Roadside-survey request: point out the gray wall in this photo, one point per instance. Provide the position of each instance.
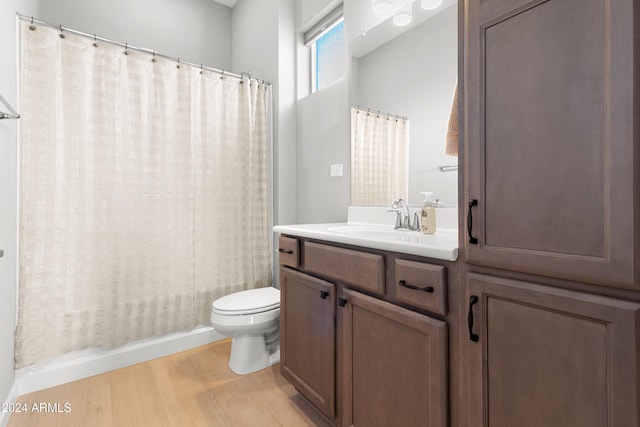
(8, 184)
(323, 139)
(393, 78)
(308, 11)
(197, 31)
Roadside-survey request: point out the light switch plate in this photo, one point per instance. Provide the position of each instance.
(336, 170)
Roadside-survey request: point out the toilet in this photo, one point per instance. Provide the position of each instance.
(252, 320)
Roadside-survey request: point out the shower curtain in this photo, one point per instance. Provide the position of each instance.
(379, 157)
(143, 194)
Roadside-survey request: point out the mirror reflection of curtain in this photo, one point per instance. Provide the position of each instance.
(379, 158)
(143, 194)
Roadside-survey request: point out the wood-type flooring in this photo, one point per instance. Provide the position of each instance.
(191, 388)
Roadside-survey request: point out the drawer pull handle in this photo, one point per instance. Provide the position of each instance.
(472, 301)
(472, 203)
(428, 289)
(342, 302)
(324, 294)
(285, 251)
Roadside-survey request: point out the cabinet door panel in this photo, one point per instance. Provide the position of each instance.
(549, 137)
(551, 357)
(395, 365)
(307, 337)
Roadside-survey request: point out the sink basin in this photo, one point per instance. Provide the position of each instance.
(364, 229)
(382, 232)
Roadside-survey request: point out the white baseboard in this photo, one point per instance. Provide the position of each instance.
(87, 363)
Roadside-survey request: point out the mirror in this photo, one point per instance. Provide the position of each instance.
(412, 71)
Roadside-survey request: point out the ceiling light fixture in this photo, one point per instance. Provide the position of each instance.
(380, 7)
(403, 16)
(430, 4)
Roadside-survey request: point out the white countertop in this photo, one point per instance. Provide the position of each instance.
(441, 245)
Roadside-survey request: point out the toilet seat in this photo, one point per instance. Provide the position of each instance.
(247, 302)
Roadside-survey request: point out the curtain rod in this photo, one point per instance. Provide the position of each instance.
(127, 46)
(369, 110)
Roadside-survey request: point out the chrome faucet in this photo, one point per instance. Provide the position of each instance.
(398, 218)
(398, 205)
(403, 216)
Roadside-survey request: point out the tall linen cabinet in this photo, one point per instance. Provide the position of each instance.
(550, 212)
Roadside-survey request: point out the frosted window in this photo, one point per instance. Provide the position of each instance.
(329, 57)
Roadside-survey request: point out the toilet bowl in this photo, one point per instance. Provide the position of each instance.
(252, 320)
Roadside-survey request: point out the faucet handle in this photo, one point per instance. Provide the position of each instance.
(415, 226)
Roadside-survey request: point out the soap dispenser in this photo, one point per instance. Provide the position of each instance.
(428, 217)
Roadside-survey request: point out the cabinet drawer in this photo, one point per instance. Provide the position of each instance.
(421, 285)
(289, 251)
(358, 269)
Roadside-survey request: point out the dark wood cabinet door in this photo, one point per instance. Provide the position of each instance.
(550, 357)
(307, 337)
(551, 117)
(395, 365)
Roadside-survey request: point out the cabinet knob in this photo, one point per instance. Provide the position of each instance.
(285, 251)
(324, 294)
(342, 302)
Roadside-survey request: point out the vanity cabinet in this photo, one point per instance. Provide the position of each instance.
(550, 92)
(365, 335)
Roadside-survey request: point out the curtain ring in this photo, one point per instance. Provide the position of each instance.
(178, 66)
(126, 48)
(61, 33)
(153, 59)
(222, 76)
(201, 69)
(95, 41)
(32, 27)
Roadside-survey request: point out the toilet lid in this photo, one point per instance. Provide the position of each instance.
(247, 302)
